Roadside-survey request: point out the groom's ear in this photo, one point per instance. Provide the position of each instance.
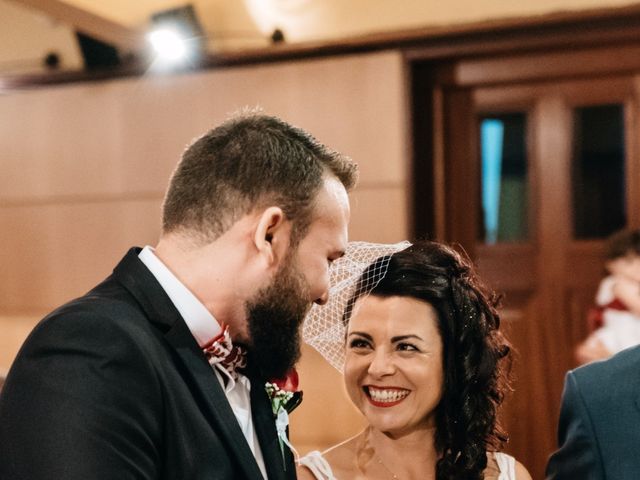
(272, 235)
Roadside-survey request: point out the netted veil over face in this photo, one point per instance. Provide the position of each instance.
(324, 328)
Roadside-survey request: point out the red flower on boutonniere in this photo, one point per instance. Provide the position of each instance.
(284, 396)
(284, 393)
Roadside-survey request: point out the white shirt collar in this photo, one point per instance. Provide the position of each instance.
(201, 323)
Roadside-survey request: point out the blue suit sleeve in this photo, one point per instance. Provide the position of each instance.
(578, 454)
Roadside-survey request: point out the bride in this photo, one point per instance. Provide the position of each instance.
(425, 363)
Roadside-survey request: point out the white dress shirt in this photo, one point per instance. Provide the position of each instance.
(203, 326)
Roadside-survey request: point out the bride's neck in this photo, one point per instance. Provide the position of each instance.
(412, 455)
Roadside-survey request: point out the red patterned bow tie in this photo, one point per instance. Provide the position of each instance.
(222, 352)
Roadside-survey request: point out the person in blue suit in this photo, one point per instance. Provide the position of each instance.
(599, 428)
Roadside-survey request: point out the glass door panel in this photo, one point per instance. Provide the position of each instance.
(598, 171)
(504, 178)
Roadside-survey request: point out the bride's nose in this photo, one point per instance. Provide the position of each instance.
(381, 363)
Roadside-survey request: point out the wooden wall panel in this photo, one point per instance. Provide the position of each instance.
(14, 330)
(379, 214)
(326, 403)
(125, 136)
(52, 253)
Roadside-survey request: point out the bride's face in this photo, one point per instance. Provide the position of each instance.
(393, 366)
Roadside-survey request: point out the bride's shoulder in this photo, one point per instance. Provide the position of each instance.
(336, 462)
(349, 445)
(341, 456)
(521, 472)
(305, 468)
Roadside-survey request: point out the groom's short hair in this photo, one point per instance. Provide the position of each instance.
(251, 161)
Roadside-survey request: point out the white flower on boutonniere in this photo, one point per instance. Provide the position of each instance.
(285, 397)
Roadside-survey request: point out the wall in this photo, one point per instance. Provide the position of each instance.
(26, 37)
(84, 169)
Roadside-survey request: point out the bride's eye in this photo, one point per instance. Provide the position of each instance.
(407, 347)
(357, 343)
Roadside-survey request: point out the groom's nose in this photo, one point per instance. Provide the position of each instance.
(324, 298)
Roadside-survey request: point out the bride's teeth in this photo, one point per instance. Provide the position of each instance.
(387, 395)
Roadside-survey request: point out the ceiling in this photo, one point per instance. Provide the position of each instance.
(30, 30)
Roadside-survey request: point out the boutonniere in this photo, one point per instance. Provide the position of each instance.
(285, 397)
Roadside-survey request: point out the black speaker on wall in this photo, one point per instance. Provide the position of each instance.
(97, 54)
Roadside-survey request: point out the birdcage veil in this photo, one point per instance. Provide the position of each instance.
(323, 326)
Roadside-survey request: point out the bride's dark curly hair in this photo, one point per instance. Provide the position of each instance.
(476, 356)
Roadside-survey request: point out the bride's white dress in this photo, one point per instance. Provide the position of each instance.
(321, 469)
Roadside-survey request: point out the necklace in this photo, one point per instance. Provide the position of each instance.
(381, 463)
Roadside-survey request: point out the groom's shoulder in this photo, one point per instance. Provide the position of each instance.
(106, 307)
(108, 298)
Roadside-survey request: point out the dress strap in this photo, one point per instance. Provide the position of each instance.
(507, 466)
(316, 463)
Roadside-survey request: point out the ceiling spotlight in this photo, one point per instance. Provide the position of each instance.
(177, 37)
(168, 44)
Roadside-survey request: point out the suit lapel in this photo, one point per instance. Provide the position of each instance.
(216, 404)
(132, 273)
(265, 426)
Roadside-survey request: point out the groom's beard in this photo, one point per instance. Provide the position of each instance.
(274, 319)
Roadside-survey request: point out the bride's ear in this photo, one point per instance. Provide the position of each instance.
(272, 235)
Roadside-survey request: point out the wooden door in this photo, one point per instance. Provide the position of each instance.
(548, 261)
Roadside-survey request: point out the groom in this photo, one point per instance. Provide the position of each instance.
(131, 380)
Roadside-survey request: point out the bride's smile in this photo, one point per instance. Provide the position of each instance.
(385, 396)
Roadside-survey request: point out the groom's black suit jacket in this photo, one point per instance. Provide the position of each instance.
(114, 386)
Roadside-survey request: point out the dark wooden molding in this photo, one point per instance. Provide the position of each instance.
(609, 26)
